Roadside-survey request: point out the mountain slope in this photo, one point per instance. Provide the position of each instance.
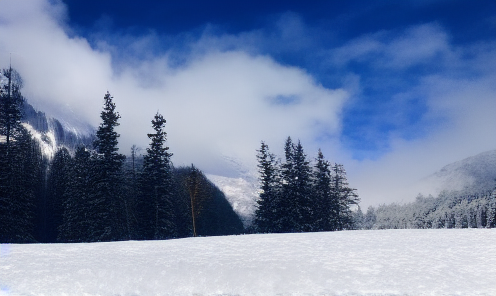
(52, 133)
(476, 174)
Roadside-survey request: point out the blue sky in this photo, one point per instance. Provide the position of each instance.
(392, 89)
(304, 35)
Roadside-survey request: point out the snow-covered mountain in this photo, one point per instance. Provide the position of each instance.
(471, 175)
(241, 191)
(52, 133)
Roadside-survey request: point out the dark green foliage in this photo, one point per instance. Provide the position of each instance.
(156, 210)
(345, 197)
(302, 191)
(21, 166)
(108, 202)
(302, 199)
(212, 212)
(78, 204)
(11, 106)
(265, 215)
(93, 196)
(57, 183)
(285, 204)
(132, 168)
(324, 203)
(293, 206)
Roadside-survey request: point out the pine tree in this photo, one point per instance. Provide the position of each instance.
(345, 196)
(266, 212)
(132, 192)
(285, 204)
(11, 106)
(109, 206)
(323, 200)
(157, 210)
(302, 191)
(78, 200)
(57, 183)
(20, 165)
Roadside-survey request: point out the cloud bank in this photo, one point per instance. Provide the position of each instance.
(217, 103)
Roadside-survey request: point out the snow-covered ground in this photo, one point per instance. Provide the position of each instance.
(374, 262)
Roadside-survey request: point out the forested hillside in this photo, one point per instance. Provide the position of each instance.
(59, 186)
(467, 199)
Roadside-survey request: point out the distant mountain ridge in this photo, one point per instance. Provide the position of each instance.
(472, 175)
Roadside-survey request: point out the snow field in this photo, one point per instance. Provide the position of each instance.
(370, 262)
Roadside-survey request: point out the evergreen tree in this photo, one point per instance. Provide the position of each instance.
(323, 200)
(20, 165)
(266, 212)
(132, 169)
(11, 106)
(109, 203)
(78, 200)
(302, 190)
(345, 196)
(57, 184)
(156, 205)
(285, 204)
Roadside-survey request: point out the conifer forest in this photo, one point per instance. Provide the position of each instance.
(90, 192)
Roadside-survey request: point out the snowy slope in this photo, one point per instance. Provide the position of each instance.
(387, 262)
(241, 194)
(473, 175)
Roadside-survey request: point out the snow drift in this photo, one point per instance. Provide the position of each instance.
(387, 262)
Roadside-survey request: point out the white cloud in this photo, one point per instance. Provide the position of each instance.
(463, 110)
(412, 46)
(224, 99)
(217, 103)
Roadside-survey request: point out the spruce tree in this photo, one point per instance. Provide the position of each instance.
(79, 202)
(345, 197)
(323, 200)
(11, 106)
(266, 212)
(109, 204)
(156, 205)
(57, 183)
(285, 204)
(20, 165)
(302, 191)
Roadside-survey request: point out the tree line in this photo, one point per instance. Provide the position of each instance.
(296, 197)
(94, 193)
(451, 209)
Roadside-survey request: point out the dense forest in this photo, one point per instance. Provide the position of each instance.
(451, 209)
(90, 192)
